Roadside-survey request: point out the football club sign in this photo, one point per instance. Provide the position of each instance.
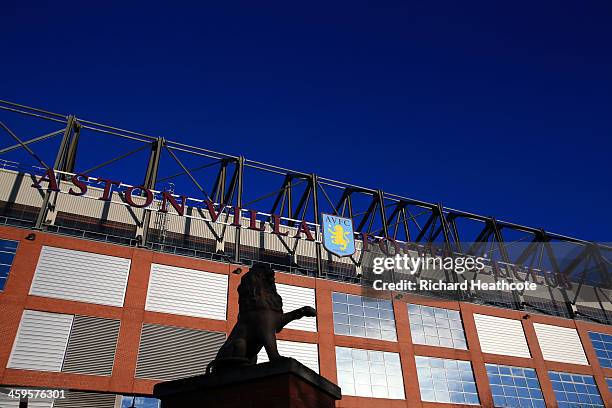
(338, 236)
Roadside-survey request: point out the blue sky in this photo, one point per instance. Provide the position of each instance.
(502, 109)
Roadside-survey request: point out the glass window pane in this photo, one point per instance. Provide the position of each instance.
(354, 300)
(342, 329)
(436, 326)
(6, 258)
(363, 316)
(340, 308)
(8, 249)
(574, 390)
(139, 402)
(521, 387)
(602, 343)
(369, 373)
(385, 304)
(341, 318)
(440, 380)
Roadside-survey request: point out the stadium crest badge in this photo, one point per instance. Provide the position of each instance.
(338, 236)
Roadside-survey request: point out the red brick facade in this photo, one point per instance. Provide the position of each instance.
(14, 299)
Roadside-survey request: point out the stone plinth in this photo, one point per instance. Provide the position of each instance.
(284, 383)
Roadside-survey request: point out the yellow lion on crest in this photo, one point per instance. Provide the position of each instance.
(339, 236)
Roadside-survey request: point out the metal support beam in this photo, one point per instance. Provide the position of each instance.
(239, 191)
(25, 146)
(149, 182)
(115, 159)
(186, 170)
(518, 299)
(367, 215)
(314, 182)
(571, 308)
(60, 162)
(73, 145)
(383, 216)
(34, 140)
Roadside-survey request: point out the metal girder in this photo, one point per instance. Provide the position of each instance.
(368, 215)
(149, 182)
(280, 197)
(516, 297)
(315, 199)
(571, 308)
(426, 227)
(221, 192)
(231, 189)
(25, 146)
(73, 145)
(113, 160)
(442, 221)
(67, 146)
(383, 216)
(186, 170)
(31, 141)
(239, 192)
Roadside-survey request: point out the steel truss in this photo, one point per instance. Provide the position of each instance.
(299, 196)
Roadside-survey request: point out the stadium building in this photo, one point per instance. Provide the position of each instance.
(121, 253)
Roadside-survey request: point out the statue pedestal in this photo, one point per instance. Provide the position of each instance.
(284, 383)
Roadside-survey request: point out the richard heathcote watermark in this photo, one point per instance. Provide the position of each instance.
(405, 264)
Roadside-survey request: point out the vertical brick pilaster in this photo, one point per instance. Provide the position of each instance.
(232, 295)
(325, 330)
(13, 297)
(406, 350)
(539, 362)
(599, 374)
(478, 363)
(132, 315)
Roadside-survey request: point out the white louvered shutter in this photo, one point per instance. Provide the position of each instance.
(295, 297)
(91, 347)
(187, 292)
(560, 344)
(503, 336)
(41, 341)
(168, 352)
(305, 353)
(81, 276)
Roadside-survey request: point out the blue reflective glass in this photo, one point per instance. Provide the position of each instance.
(8, 245)
(8, 249)
(363, 317)
(432, 326)
(602, 343)
(609, 381)
(6, 258)
(575, 390)
(519, 386)
(449, 383)
(369, 373)
(140, 402)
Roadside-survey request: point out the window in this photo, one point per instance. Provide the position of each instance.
(602, 343)
(363, 317)
(515, 387)
(609, 381)
(436, 327)
(139, 402)
(447, 381)
(369, 373)
(7, 253)
(575, 390)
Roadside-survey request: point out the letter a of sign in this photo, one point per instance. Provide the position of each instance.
(338, 236)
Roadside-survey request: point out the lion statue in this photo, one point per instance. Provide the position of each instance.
(260, 317)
